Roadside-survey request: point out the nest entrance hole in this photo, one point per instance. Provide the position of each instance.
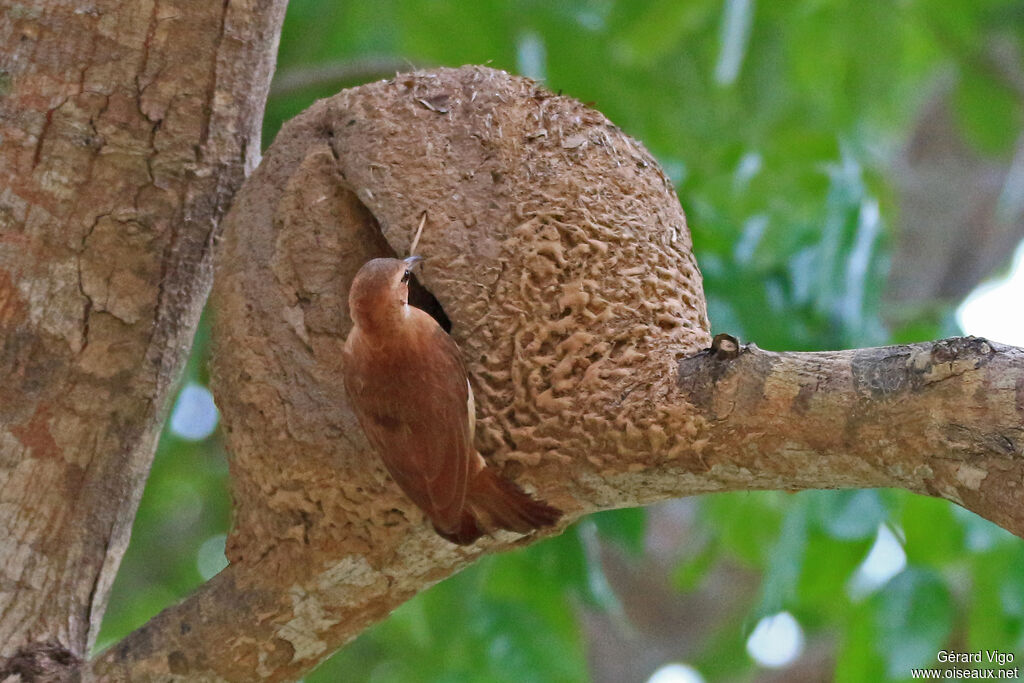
(360, 224)
(421, 298)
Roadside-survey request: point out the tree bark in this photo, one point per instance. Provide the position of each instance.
(125, 129)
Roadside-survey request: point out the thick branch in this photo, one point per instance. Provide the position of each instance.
(942, 418)
(126, 127)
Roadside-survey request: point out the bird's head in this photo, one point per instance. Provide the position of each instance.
(380, 291)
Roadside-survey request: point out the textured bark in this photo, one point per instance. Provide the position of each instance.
(558, 251)
(125, 128)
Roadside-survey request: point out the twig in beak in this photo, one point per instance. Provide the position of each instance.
(419, 231)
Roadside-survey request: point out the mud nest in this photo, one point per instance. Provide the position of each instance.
(555, 245)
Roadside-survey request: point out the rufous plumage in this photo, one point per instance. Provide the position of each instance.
(410, 392)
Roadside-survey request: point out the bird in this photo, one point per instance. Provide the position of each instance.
(409, 389)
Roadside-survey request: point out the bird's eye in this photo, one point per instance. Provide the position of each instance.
(406, 275)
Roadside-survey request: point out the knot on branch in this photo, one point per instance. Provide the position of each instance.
(975, 349)
(725, 346)
(554, 243)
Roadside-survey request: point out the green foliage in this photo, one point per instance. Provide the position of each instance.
(626, 528)
(914, 615)
(776, 121)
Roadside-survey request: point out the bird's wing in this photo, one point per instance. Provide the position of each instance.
(413, 406)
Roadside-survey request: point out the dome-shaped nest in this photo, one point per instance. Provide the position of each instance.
(554, 244)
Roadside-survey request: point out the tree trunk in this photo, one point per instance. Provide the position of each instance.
(125, 129)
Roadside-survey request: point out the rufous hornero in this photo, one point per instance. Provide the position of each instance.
(409, 390)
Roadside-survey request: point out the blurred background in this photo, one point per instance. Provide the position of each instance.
(853, 172)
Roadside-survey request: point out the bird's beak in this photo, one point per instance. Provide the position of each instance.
(412, 260)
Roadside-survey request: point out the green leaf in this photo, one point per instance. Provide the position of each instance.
(914, 617)
(785, 560)
(828, 566)
(933, 538)
(625, 527)
(1011, 584)
(746, 524)
(989, 113)
(990, 624)
(659, 30)
(688, 575)
(979, 533)
(849, 515)
(858, 659)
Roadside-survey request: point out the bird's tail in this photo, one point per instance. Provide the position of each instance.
(493, 502)
(497, 502)
(467, 532)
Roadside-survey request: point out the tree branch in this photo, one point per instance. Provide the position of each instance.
(558, 251)
(942, 418)
(336, 74)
